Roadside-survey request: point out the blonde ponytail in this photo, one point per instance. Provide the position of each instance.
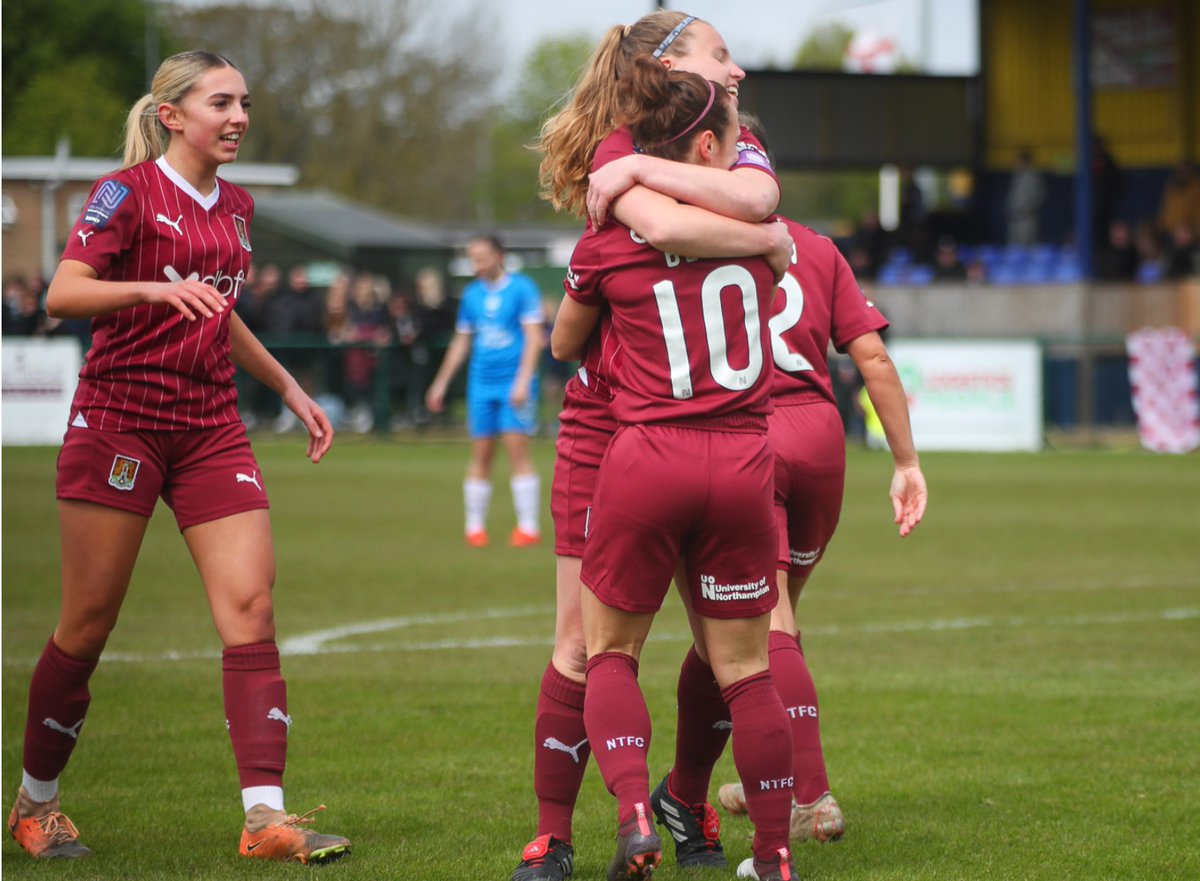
(145, 136)
(570, 137)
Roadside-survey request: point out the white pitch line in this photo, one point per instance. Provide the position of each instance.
(325, 642)
(315, 643)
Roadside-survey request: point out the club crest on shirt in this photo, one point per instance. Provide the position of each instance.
(243, 231)
(105, 203)
(123, 473)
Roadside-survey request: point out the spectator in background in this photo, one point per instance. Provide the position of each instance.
(367, 328)
(947, 266)
(301, 305)
(404, 331)
(23, 314)
(435, 311)
(914, 217)
(1183, 256)
(869, 247)
(334, 323)
(435, 319)
(1107, 183)
(1180, 203)
(402, 320)
(1118, 260)
(256, 302)
(1026, 193)
(337, 308)
(1152, 261)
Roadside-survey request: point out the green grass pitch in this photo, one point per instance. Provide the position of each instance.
(1013, 692)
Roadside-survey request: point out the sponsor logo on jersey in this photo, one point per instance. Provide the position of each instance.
(724, 593)
(243, 231)
(83, 236)
(228, 286)
(553, 743)
(105, 203)
(123, 473)
(573, 278)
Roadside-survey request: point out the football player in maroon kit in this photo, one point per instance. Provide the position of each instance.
(157, 260)
(572, 145)
(819, 302)
(688, 475)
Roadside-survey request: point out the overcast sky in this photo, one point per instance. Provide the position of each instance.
(759, 32)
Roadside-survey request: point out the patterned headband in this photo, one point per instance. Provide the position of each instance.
(662, 47)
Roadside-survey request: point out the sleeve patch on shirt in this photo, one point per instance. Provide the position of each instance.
(748, 154)
(105, 203)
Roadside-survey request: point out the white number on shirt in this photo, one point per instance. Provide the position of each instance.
(793, 308)
(722, 371)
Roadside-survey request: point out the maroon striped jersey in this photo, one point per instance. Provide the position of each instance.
(149, 368)
(819, 300)
(598, 365)
(691, 334)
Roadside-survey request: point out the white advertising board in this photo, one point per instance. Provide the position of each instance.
(38, 382)
(972, 395)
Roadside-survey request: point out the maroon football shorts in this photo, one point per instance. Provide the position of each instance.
(584, 429)
(202, 474)
(667, 492)
(810, 475)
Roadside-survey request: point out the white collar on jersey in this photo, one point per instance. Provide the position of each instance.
(205, 202)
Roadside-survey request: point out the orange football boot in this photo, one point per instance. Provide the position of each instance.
(523, 539)
(275, 835)
(43, 830)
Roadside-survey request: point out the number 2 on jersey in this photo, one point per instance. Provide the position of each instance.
(793, 308)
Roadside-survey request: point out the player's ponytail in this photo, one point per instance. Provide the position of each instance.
(142, 140)
(145, 135)
(570, 137)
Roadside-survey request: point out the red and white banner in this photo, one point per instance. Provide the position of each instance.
(1162, 374)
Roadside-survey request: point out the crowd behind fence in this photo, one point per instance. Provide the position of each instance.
(367, 351)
